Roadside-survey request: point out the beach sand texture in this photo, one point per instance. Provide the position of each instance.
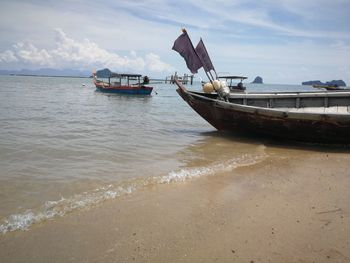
(291, 207)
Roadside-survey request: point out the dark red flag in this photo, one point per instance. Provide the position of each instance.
(204, 56)
(184, 46)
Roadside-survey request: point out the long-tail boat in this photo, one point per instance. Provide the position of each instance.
(132, 84)
(317, 116)
(328, 87)
(304, 116)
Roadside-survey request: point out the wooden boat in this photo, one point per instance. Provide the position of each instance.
(322, 116)
(123, 84)
(328, 87)
(234, 87)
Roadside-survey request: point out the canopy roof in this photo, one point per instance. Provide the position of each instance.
(232, 77)
(122, 75)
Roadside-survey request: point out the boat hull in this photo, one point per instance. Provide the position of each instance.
(139, 90)
(310, 127)
(122, 89)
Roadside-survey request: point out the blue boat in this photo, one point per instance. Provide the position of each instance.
(123, 84)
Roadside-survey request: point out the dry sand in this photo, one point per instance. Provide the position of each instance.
(291, 207)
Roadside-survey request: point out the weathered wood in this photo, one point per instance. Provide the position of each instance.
(307, 120)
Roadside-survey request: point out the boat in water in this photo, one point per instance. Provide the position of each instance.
(328, 87)
(322, 117)
(132, 84)
(239, 87)
(315, 116)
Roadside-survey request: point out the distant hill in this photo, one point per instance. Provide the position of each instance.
(258, 80)
(338, 83)
(103, 73)
(47, 72)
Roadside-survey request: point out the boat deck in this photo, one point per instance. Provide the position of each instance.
(305, 94)
(327, 110)
(303, 102)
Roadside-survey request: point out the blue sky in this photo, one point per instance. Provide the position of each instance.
(283, 41)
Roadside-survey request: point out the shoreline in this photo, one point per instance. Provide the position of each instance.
(284, 209)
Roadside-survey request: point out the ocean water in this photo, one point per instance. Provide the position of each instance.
(64, 146)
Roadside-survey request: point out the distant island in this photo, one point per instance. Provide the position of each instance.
(258, 80)
(103, 73)
(335, 83)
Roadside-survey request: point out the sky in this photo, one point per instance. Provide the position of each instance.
(283, 41)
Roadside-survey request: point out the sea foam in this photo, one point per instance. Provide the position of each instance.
(58, 208)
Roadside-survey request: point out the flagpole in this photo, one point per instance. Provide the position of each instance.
(211, 80)
(212, 75)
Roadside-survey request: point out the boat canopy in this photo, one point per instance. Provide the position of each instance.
(231, 85)
(123, 75)
(232, 77)
(118, 79)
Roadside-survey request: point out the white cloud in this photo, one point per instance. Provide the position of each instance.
(8, 56)
(85, 54)
(340, 45)
(28, 53)
(155, 64)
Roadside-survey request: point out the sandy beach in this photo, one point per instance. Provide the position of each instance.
(291, 207)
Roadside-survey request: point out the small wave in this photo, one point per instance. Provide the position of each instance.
(229, 165)
(53, 209)
(58, 208)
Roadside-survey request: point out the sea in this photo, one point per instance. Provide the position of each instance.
(66, 147)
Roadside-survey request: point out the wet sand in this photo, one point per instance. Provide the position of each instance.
(291, 207)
